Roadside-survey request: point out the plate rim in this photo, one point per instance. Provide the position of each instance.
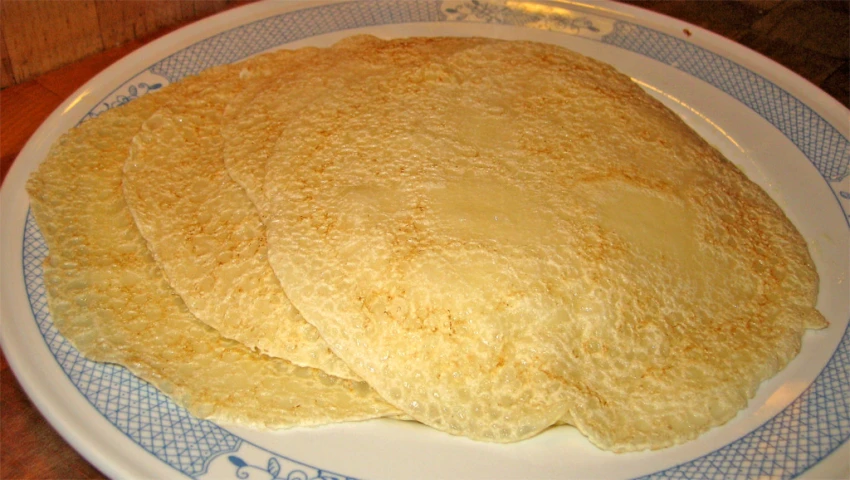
(51, 123)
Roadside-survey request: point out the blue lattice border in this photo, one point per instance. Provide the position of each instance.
(798, 437)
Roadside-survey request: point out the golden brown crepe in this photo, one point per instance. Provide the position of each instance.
(497, 236)
(108, 297)
(501, 235)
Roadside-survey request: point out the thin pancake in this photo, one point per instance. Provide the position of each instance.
(274, 95)
(504, 236)
(108, 297)
(206, 235)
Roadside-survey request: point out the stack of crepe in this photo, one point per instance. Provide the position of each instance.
(488, 237)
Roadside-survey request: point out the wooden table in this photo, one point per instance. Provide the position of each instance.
(810, 38)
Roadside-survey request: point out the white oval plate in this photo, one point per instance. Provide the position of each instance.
(784, 133)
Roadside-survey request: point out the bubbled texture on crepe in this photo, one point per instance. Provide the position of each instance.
(256, 116)
(507, 235)
(274, 95)
(108, 297)
(206, 234)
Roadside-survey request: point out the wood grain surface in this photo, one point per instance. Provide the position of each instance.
(39, 36)
(811, 38)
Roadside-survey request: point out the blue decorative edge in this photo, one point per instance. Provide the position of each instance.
(828, 151)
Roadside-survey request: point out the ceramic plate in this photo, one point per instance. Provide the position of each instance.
(787, 135)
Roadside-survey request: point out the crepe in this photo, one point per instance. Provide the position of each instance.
(108, 298)
(206, 235)
(499, 236)
(273, 96)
